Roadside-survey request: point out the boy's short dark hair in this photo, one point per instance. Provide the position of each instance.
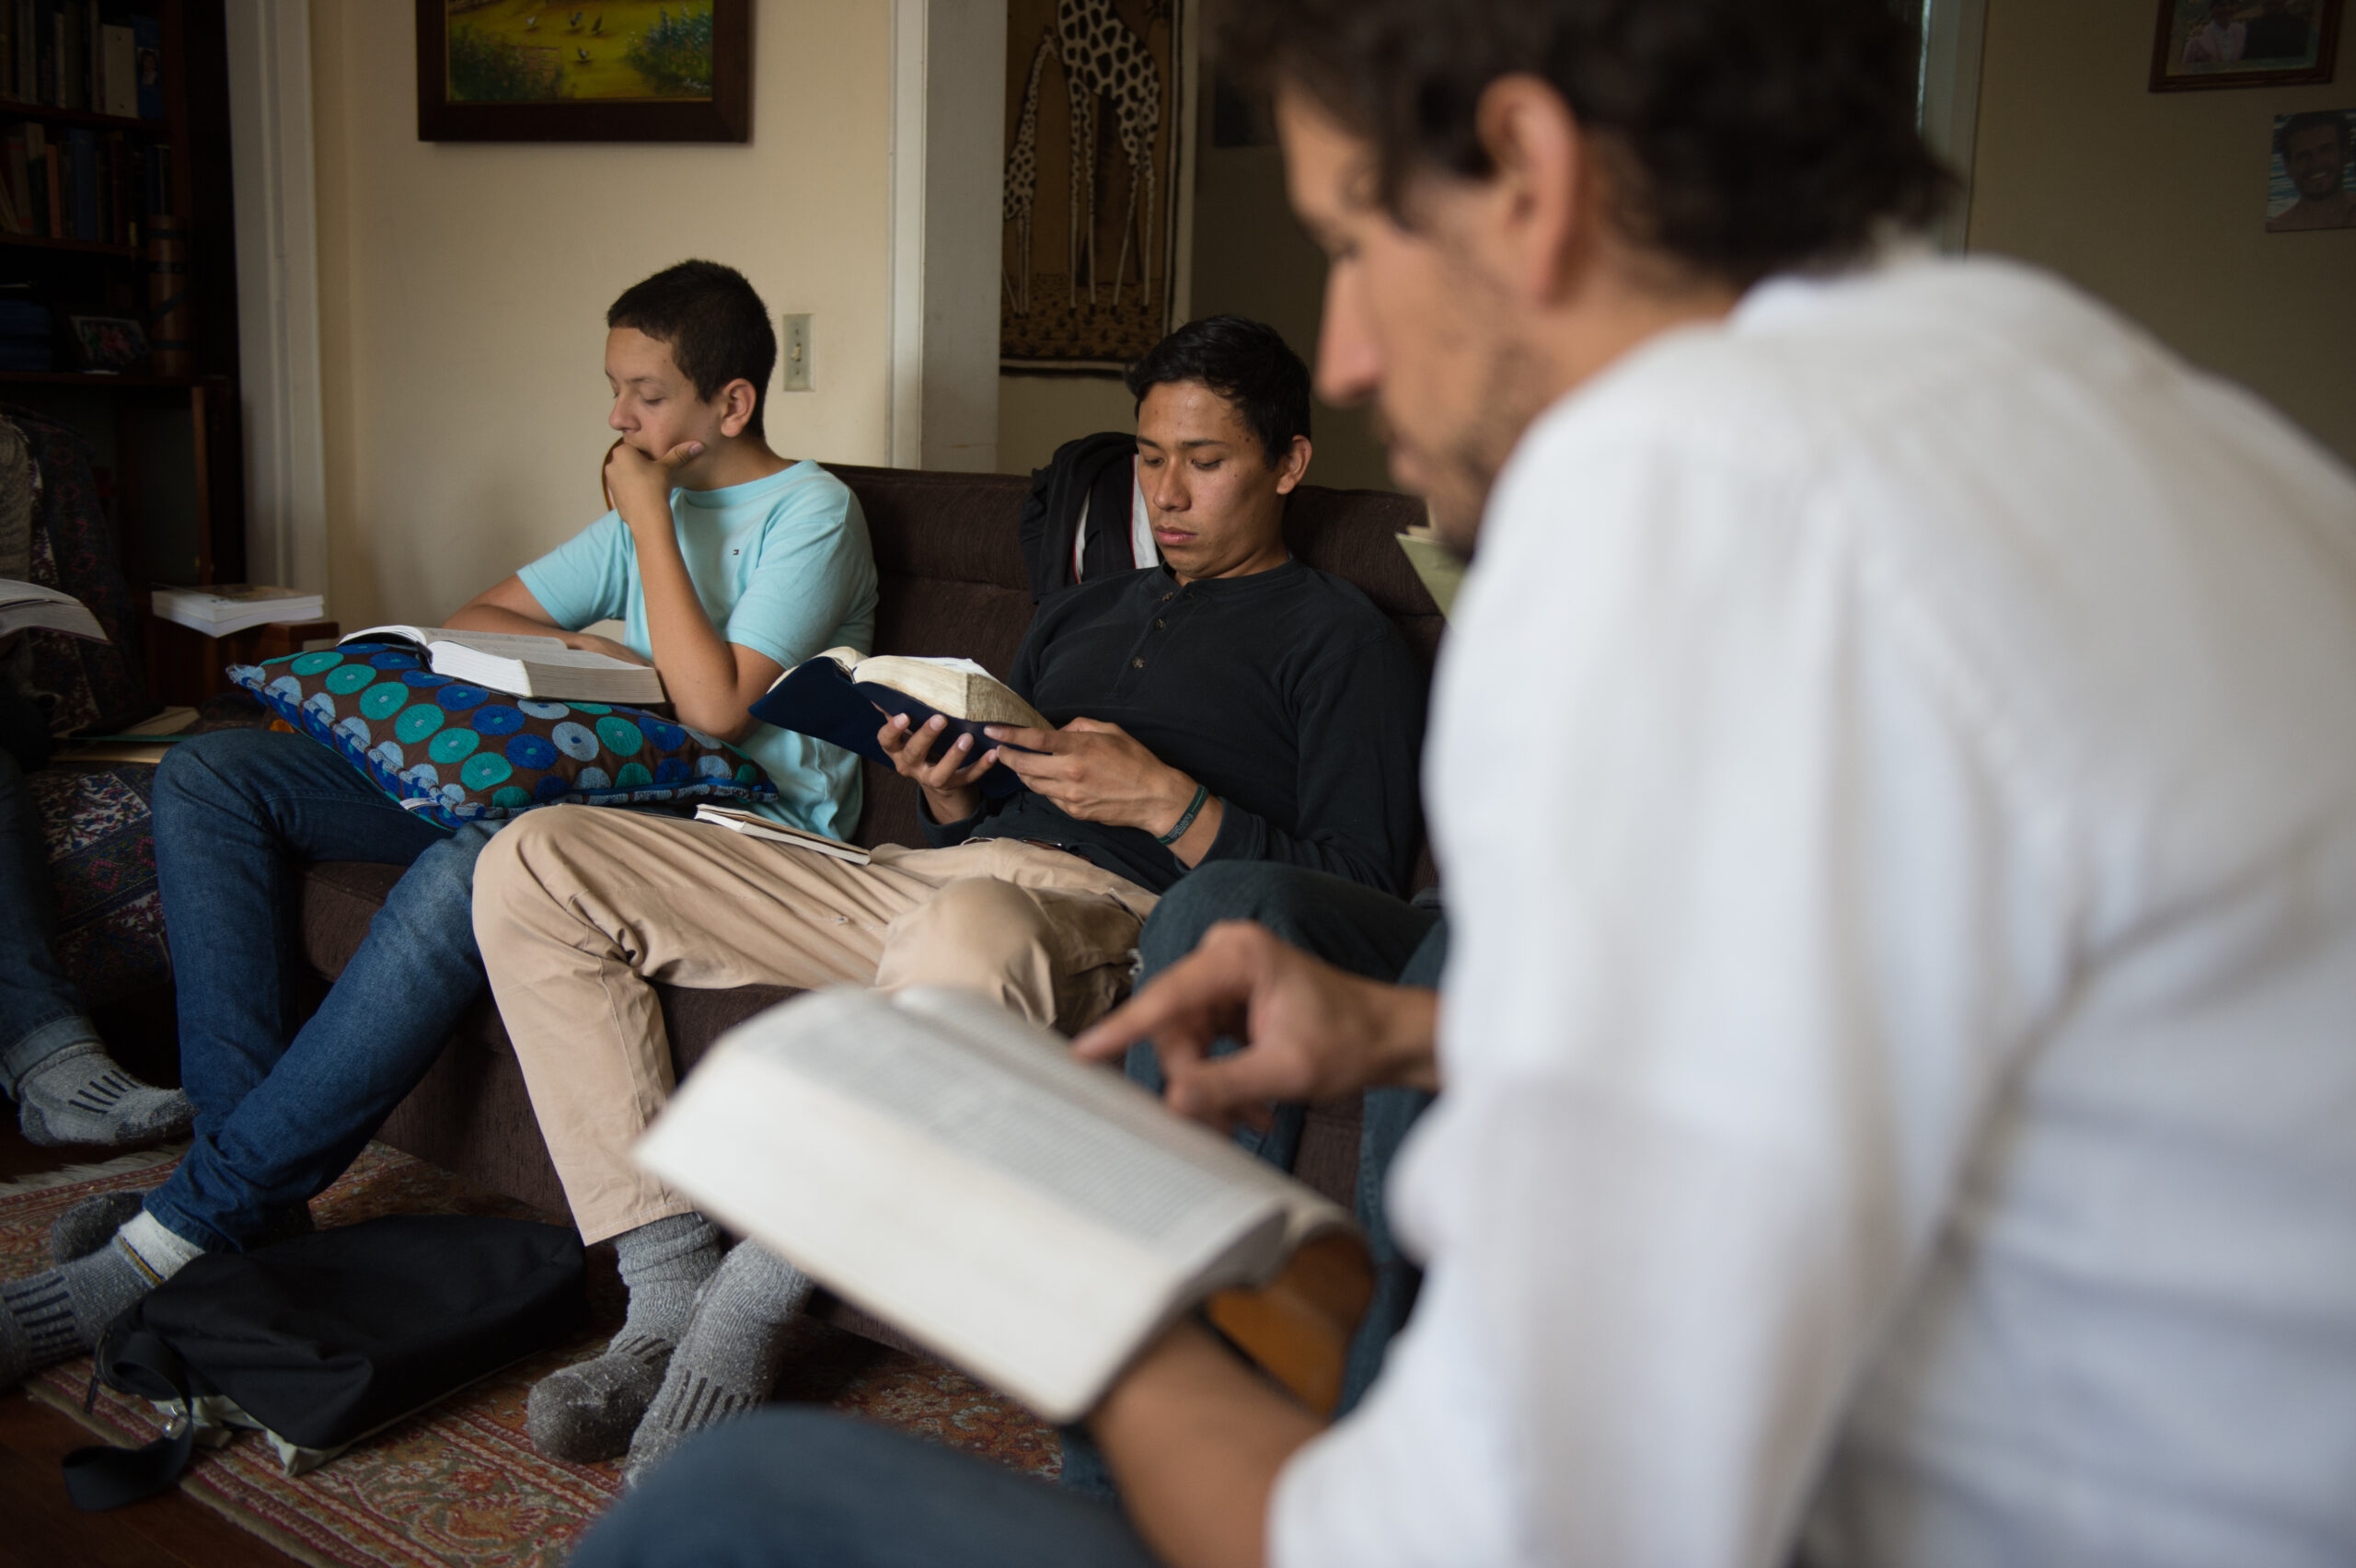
(1248, 363)
(716, 327)
(1751, 139)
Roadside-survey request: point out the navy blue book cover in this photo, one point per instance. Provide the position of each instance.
(818, 697)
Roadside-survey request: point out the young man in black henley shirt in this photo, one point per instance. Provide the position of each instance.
(1230, 704)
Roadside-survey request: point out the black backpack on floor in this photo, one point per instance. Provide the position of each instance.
(321, 1340)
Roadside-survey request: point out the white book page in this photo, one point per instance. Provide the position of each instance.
(988, 1271)
(1017, 1232)
(499, 644)
(28, 606)
(562, 657)
(962, 666)
(15, 592)
(1043, 1058)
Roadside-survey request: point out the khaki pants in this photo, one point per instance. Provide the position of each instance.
(577, 909)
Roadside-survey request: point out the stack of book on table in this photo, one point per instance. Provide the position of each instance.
(224, 607)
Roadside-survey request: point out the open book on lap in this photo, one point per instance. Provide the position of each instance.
(524, 665)
(842, 698)
(955, 1171)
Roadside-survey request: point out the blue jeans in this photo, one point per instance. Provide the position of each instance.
(1351, 927)
(40, 1013)
(788, 1488)
(280, 1112)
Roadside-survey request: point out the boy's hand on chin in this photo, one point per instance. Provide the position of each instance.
(640, 486)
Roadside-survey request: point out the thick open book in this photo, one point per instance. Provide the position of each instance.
(524, 665)
(25, 606)
(955, 1171)
(752, 824)
(843, 698)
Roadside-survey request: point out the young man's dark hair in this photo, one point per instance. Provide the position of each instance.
(1248, 363)
(2293, 124)
(1748, 139)
(717, 328)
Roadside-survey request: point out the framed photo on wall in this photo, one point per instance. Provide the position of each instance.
(2311, 185)
(584, 70)
(2244, 43)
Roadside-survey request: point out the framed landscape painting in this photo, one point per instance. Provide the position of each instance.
(581, 71)
(2244, 43)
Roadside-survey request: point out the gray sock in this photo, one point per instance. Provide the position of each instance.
(587, 1411)
(80, 1096)
(91, 1224)
(728, 1361)
(59, 1313)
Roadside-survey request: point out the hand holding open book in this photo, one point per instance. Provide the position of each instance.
(955, 1171)
(843, 698)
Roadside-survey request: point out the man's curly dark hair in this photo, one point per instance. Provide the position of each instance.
(1749, 138)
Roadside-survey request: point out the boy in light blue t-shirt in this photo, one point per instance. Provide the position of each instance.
(726, 563)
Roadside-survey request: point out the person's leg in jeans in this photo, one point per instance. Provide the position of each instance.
(236, 815)
(52, 1062)
(1354, 927)
(808, 1488)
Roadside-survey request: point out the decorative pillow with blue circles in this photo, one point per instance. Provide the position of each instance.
(459, 753)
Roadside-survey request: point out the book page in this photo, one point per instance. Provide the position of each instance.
(988, 1271)
(969, 1189)
(1015, 1122)
(15, 592)
(883, 663)
(1044, 1060)
(957, 687)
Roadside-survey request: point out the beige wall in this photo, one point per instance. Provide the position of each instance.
(2156, 202)
(1038, 413)
(462, 289)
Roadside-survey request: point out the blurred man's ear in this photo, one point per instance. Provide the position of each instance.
(1296, 464)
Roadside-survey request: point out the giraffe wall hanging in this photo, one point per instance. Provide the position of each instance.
(1098, 173)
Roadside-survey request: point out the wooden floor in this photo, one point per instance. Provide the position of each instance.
(38, 1529)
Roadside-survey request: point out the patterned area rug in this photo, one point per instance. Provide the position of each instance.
(102, 875)
(461, 1485)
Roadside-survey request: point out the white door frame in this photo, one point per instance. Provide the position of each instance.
(948, 184)
(278, 292)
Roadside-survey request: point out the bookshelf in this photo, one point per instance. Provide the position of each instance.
(165, 430)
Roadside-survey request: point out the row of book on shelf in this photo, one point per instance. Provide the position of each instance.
(93, 55)
(75, 182)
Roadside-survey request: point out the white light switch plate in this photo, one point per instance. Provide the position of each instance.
(793, 353)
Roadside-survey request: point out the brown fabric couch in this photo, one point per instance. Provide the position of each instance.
(951, 583)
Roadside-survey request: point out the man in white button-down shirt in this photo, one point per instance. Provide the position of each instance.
(1895, 772)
